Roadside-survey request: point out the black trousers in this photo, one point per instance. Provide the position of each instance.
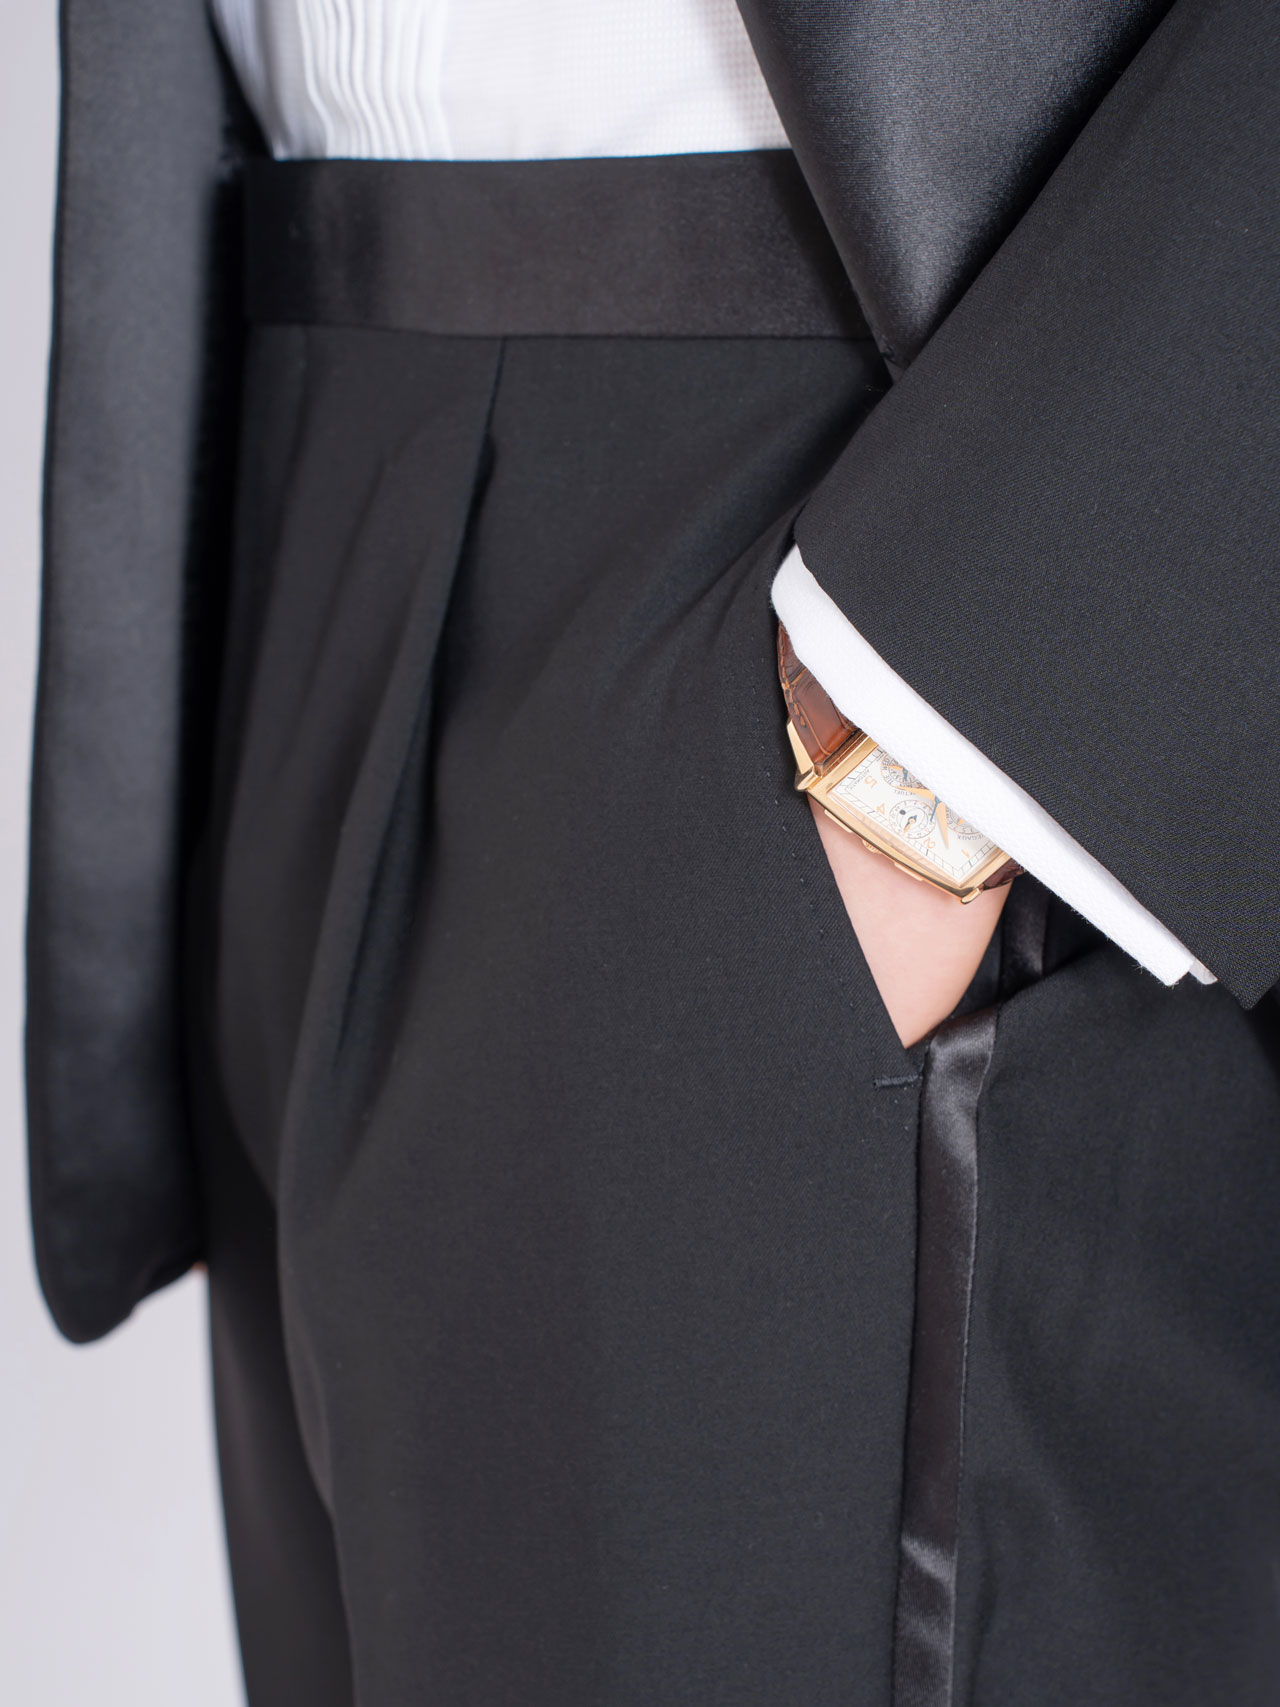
(606, 1308)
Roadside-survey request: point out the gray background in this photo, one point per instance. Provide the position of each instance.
(112, 1577)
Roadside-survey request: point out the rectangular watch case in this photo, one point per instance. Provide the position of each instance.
(868, 793)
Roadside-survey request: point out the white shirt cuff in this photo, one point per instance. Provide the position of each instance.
(877, 699)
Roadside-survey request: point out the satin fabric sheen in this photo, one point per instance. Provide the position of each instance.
(925, 130)
(946, 1232)
(710, 245)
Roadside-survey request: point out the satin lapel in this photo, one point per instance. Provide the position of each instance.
(139, 463)
(925, 130)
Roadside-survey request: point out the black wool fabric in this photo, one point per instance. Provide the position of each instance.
(1062, 526)
(1120, 1501)
(289, 1613)
(597, 1300)
(577, 1145)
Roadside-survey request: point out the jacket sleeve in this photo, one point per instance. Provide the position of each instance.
(141, 397)
(1062, 526)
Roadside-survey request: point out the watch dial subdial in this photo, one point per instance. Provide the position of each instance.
(912, 815)
(896, 775)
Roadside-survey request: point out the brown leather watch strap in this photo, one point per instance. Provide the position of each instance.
(823, 728)
(1006, 874)
(825, 731)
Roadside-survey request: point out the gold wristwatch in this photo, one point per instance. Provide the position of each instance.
(857, 784)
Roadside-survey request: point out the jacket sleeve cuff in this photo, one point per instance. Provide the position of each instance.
(878, 700)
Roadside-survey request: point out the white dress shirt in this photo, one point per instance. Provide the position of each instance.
(499, 79)
(547, 79)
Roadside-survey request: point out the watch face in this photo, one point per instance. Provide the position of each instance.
(903, 812)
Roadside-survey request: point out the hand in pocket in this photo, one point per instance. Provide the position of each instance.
(921, 946)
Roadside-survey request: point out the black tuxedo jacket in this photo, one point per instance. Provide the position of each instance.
(1060, 217)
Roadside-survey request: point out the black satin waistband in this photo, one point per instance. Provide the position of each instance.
(683, 245)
